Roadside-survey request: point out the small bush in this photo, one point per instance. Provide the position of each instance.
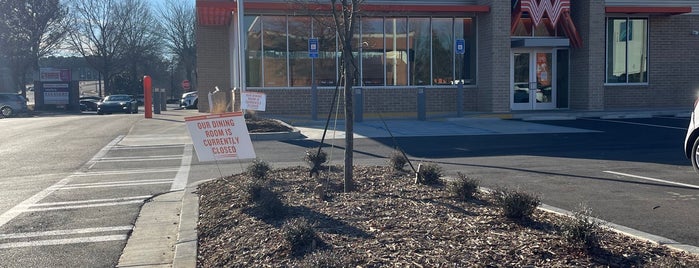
(429, 174)
(258, 169)
(463, 187)
(581, 229)
(300, 236)
(314, 159)
(516, 205)
(266, 203)
(397, 160)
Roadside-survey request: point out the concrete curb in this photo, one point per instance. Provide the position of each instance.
(187, 238)
(268, 136)
(655, 239)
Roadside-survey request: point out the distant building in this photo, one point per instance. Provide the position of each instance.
(510, 55)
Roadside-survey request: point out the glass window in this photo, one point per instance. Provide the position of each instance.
(274, 46)
(254, 51)
(464, 28)
(299, 61)
(326, 63)
(419, 40)
(627, 50)
(372, 51)
(396, 51)
(442, 51)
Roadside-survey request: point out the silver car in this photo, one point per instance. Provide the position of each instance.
(12, 104)
(691, 140)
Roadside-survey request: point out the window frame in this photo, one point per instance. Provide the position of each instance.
(626, 20)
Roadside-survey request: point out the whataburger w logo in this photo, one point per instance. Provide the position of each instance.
(536, 9)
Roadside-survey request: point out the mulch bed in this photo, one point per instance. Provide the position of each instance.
(390, 221)
(258, 125)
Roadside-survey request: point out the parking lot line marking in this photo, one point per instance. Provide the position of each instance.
(138, 159)
(123, 172)
(634, 123)
(67, 232)
(143, 197)
(114, 184)
(19, 208)
(182, 176)
(85, 206)
(653, 179)
(53, 242)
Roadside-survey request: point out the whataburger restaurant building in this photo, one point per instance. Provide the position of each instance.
(450, 57)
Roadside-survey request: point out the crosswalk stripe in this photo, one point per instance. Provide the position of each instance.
(85, 206)
(71, 187)
(124, 172)
(143, 197)
(65, 241)
(67, 232)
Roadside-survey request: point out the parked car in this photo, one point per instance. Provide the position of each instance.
(117, 104)
(691, 140)
(189, 100)
(89, 103)
(12, 104)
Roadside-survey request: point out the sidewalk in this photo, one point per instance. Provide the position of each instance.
(165, 233)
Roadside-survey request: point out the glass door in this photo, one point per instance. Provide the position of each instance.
(532, 85)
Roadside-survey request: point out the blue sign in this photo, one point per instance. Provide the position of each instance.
(460, 46)
(313, 48)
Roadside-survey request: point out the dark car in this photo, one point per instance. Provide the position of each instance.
(89, 103)
(117, 104)
(12, 104)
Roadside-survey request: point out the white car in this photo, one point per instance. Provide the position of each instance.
(189, 100)
(691, 141)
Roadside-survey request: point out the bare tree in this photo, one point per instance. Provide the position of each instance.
(98, 35)
(141, 39)
(29, 30)
(178, 22)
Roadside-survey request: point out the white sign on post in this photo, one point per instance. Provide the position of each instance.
(256, 101)
(220, 137)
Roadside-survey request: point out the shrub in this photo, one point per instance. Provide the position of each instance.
(258, 169)
(300, 236)
(581, 229)
(315, 159)
(429, 174)
(397, 160)
(516, 205)
(266, 203)
(463, 187)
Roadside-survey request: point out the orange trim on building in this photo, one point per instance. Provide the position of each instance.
(648, 10)
(212, 13)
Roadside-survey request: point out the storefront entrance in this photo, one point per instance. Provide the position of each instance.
(532, 79)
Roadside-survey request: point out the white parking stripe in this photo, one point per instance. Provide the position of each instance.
(634, 123)
(653, 179)
(143, 197)
(86, 206)
(124, 172)
(52, 242)
(115, 182)
(69, 187)
(183, 173)
(67, 232)
(19, 208)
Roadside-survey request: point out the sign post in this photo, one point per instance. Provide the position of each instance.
(460, 49)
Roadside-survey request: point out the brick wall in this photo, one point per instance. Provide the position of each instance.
(672, 68)
(213, 62)
(493, 94)
(386, 102)
(587, 63)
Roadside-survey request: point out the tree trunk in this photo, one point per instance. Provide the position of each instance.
(349, 119)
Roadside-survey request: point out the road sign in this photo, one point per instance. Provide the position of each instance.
(460, 46)
(220, 137)
(313, 48)
(186, 85)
